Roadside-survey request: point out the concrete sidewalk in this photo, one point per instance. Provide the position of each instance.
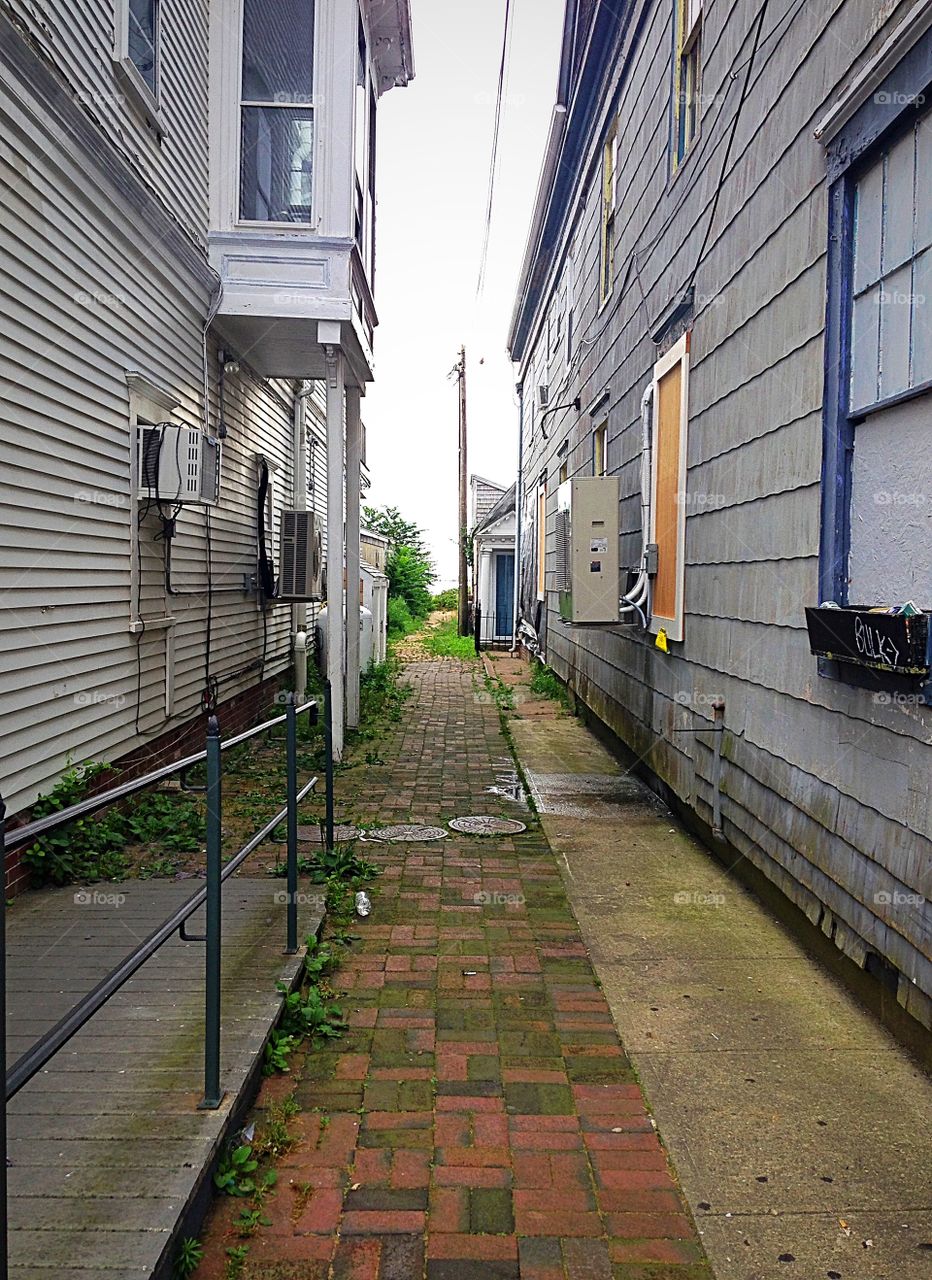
(798, 1127)
(106, 1144)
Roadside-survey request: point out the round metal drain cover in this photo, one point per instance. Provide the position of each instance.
(314, 835)
(485, 826)
(406, 833)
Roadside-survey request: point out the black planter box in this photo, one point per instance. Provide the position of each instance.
(886, 642)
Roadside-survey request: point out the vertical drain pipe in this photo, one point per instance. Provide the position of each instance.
(518, 506)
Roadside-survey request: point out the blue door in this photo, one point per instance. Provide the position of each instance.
(504, 594)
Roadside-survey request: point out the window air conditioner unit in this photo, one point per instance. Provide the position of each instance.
(543, 395)
(178, 465)
(302, 557)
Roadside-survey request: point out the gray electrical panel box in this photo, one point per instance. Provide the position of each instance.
(587, 549)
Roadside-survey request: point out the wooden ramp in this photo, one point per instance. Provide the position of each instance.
(106, 1146)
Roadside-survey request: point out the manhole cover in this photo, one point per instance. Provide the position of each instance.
(485, 826)
(406, 833)
(314, 835)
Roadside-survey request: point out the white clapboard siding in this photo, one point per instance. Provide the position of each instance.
(88, 296)
(76, 37)
(803, 752)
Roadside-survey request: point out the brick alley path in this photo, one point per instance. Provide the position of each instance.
(480, 1119)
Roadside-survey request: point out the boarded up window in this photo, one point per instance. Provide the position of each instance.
(668, 525)
(891, 338)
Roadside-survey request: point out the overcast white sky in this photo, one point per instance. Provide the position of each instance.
(434, 147)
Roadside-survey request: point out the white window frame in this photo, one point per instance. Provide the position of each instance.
(312, 106)
(678, 354)
(137, 91)
(687, 38)
(541, 521)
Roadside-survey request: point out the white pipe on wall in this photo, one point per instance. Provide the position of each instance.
(637, 597)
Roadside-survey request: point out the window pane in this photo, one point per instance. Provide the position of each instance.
(278, 50)
(142, 25)
(898, 204)
(895, 306)
(276, 164)
(922, 318)
(865, 349)
(923, 185)
(868, 211)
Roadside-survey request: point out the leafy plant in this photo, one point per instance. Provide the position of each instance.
(234, 1174)
(322, 1019)
(88, 849)
(546, 685)
(93, 848)
(446, 600)
(278, 1050)
(401, 621)
(190, 1255)
(248, 1221)
(236, 1261)
(344, 863)
(319, 960)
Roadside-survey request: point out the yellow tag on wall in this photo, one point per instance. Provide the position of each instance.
(661, 641)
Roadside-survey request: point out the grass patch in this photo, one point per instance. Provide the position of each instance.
(443, 641)
(546, 685)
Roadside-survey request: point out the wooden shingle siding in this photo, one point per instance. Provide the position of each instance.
(825, 789)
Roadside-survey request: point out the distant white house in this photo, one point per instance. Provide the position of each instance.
(187, 252)
(494, 571)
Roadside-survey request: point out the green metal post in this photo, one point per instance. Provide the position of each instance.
(328, 761)
(213, 1095)
(292, 824)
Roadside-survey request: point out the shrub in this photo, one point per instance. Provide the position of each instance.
(447, 600)
(400, 621)
(409, 577)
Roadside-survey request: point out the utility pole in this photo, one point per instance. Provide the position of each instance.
(464, 566)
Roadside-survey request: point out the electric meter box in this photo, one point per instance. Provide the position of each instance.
(588, 563)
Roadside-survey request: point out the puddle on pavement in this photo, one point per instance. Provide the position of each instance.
(507, 784)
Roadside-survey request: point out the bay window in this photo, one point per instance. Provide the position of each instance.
(276, 109)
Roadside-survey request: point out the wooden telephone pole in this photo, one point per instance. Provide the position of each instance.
(464, 565)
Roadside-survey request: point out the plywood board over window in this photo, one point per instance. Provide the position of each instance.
(668, 488)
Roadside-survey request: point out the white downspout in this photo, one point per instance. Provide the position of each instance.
(518, 508)
(299, 498)
(637, 598)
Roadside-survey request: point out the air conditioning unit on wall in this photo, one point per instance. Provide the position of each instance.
(587, 549)
(302, 557)
(177, 465)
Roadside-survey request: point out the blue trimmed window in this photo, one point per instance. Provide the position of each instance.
(877, 464)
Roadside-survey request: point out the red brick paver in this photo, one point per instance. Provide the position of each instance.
(483, 1119)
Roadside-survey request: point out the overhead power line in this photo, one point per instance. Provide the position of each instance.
(496, 132)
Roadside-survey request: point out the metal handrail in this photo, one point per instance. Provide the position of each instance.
(35, 1058)
(22, 835)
